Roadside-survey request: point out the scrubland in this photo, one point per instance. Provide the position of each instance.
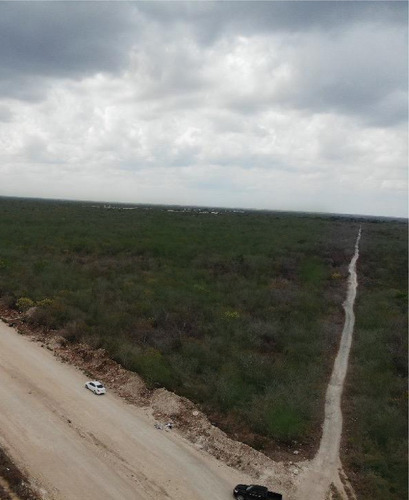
(239, 311)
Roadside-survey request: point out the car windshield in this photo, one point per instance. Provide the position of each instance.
(100, 386)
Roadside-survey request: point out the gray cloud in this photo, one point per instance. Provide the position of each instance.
(215, 19)
(363, 73)
(343, 57)
(60, 40)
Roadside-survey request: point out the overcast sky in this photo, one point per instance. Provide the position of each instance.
(272, 105)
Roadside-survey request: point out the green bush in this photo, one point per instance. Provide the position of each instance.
(24, 303)
(153, 367)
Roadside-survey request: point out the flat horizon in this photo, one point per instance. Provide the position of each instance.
(122, 204)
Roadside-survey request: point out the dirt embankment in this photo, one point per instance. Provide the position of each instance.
(159, 406)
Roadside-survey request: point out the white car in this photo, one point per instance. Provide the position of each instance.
(96, 387)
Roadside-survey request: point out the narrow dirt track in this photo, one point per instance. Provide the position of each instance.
(326, 469)
(76, 445)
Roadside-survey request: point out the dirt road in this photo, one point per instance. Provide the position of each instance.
(76, 445)
(326, 469)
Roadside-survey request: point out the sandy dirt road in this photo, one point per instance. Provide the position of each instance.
(75, 445)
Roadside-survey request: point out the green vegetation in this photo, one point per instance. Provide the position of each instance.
(239, 311)
(376, 399)
(229, 310)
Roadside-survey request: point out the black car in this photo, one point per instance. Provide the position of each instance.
(254, 492)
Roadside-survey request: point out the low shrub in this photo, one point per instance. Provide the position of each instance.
(24, 304)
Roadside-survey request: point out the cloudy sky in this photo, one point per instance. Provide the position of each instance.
(273, 105)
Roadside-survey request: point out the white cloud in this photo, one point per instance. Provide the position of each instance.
(305, 119)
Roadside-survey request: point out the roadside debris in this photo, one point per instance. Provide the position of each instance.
(168, 426)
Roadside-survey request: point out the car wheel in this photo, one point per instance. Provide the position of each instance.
(240, 497)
